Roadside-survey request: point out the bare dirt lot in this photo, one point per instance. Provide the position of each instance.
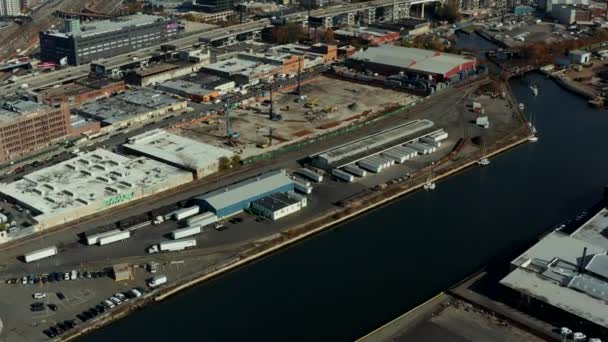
(330, 104)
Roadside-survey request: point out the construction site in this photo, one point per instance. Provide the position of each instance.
(323, 104)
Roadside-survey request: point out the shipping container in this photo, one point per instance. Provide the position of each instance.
(343, 175)
(185, 232)
(186, 212)
(177, 245)
(40, 254)
(357, 171)
(202, 219)
(94, 239)
(310, 175)
(122, 235)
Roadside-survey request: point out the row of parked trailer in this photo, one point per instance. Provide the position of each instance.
(398, 154)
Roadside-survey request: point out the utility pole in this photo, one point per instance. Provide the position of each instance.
(298, 90)
(271, 114)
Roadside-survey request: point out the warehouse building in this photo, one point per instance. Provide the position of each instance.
(88, 184)
(237, 197)
(105, 38)
(82, 90)
(190, 90)
(162, 72)
(27, 126)
(367, 35)
(566, 276)
(130, 107)
(243, 71)
(197, 157)
(279, 205)
(351, 151)
(392, 59)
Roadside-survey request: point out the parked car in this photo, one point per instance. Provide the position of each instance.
(39, 295)
(60, 295)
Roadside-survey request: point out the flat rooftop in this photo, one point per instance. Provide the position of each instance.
(126, 105)
(246, 189)
(550, 270)
(16, 108)
(88, 179)
(369, 143)
(116, 24)
(186, 86)
(410, 58)
(177, 150)
(276, 202)
(233, 66)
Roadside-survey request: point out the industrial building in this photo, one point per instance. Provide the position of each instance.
(80, 44)
(406, 26)
(279, 205)
(548, 5)
(392, 59)
(82, 91)
(162, 72)
(199, 158)
(190, 90)
(353, 150)
(237, 197)
(26, 126)
(243, 71)
(88, 184)
(367, 35)
(130, 107)
(567, 274)
(213, 6)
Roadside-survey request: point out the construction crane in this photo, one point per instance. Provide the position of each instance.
(272, 115)
(230, 134)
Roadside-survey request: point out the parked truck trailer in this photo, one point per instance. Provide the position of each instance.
(40, 254)
(119, 236)
(186, 212)
(185, 232)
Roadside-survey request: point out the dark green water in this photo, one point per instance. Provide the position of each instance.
(347, 281)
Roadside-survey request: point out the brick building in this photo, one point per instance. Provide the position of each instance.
(26, 126)
(82, 91)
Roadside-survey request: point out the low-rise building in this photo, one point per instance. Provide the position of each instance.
(200, 158)
(279, 205)
(83, 90)
(130, 107)
(566, 275)
(391, 59)
(238, 197)
(82, 126)
(27, 126)
(243, 71)
(122, 272)
(579, 57)
(88, 184)
(161, 72)
(367, 35)
(192, 91)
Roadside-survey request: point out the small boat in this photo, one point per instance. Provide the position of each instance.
(534, 89)
(429, 185)
(521, 106)
(483, 162)
(533, 138)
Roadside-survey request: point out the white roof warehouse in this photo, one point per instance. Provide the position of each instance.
(391, 59)
(90, 183)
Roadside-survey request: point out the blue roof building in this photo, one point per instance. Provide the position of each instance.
(237, 197)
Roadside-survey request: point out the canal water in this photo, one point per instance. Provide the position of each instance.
(345, 282)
